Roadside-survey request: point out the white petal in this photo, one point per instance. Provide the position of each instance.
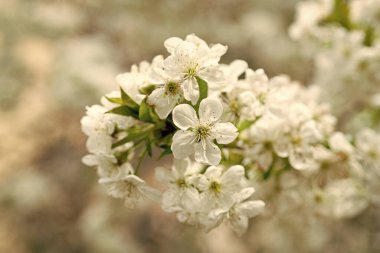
(163, 104)
(244, 194)
(127, 82)
(163, 175)
(172, 43)
(181, 166)
(302, 158)
(190, 90)
(281, 147)
(224, 133)
(151, 193)
(238, 67)
(182, 145)
(265, 159)
(212, 76)
(210, 110)
(251, 208)
(239, 224)
(209, 153)
(213, 172)
(184, 116)
(233, 177)
(90, 160)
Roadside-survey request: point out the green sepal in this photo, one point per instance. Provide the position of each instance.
(203, 90)
(144, 112)
(127, 100)
(339, 15)
(166, 150)
(148, 146)
(133, 134)
(124, 110)
(147, 90)
(118, 101)
(235, 157)
(122, 157)
(245, 124)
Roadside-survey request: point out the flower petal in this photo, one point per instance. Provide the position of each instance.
(184, 116)
(233, 177)
(210, 110)
(224, 133)
(172, 43)
(190, 90)
(182, 145)
(209, 153)
(251, 208)
(239, 224)
(163, 104)
(128, 83)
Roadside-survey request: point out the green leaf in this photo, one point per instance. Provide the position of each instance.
(147, 90)
(369, 36)
(268, 172)
(148, 146)
(235, 157)
(166, 150)
(122, 157)
(133, 134)
(203, 90)
(115, 100)
(339, 15)
(144, 112)
(124, 110)
(245, 124)
(127, 100)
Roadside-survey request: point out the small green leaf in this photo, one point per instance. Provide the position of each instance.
(268, 172)
(133, 134)
(147, 90)
(235, 157)
(148, 146)
(339, 15)
(166, 150)
(115, 100)
(369, 36)
(124, 110)
(122, 157)
(245, 124)
(144, 112)
(127, 100)
(203, 90)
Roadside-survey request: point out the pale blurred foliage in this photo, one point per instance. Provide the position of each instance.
(58, 56)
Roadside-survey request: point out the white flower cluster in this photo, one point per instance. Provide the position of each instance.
(343, 38)
(228, 128)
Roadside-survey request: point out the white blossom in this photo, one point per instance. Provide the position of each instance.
(237, 216)
(197, 135)
(192, 58)
(218, 188)
(130, 188)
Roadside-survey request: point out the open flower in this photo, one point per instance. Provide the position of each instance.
(197, 135)
(193, 58)
(242, 209)
(130, 188)
(218, 188)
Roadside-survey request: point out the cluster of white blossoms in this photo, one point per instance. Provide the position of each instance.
(343, 38)
(228, 128)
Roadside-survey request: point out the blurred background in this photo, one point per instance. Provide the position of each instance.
(56, 57)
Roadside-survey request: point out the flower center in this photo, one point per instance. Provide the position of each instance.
(235, 107)
(191, 71)
(202, 132)
(181, 183)
(215, 187)
(172, 88)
